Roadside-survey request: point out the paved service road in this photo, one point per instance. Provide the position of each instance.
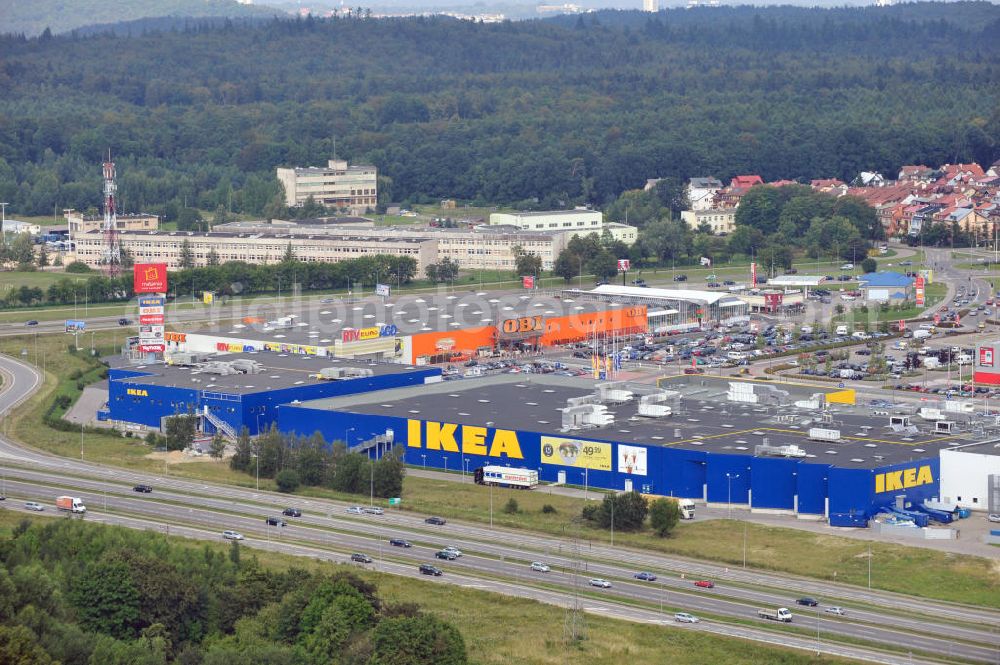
(492, 563)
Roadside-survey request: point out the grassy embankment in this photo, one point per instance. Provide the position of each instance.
(500, 629)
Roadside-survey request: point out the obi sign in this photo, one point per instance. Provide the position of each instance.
(467, 439)
(149, 278)
(903, 479)
(525, 324)
(357, 334)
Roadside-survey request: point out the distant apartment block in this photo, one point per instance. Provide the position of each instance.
(255, 248)
(721, 220)
(79, 223)
(353, 189)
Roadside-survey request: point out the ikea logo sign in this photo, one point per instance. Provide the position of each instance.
(138, 392)
(466, 439)
(903, 479)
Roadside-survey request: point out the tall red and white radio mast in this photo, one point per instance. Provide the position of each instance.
(111, 256)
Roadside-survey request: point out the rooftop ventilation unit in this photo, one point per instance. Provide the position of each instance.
(655, 405)
(217, 367)
(613, 392)
(185, 358)
(753, 393)
(586, 416)
(790, 450)
(343, 373)
(246, 366)
(824, 434)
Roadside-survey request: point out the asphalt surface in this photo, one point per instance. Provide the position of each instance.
(493, 563)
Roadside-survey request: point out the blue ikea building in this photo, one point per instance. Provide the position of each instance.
(707, 449)
(234, 391)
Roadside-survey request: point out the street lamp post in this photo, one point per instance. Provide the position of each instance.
(729, 477)
(465, 467)
(424, 457)
(491, 505)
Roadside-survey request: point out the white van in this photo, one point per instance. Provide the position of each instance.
(806, 330)
(921, 334)
(841, 330)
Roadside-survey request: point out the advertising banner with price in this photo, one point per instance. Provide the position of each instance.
(576, 452)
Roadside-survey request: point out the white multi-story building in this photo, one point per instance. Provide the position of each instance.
(581, 221)
(353, 189)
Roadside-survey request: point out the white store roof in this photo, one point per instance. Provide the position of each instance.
(708, 297)
(796, 280)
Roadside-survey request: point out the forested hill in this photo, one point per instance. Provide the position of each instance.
(31, 17)
(501, 113)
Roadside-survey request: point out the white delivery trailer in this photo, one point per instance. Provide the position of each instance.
(505, 476)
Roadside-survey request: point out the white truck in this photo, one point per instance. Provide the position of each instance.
(71, 503)
(505, 476)
(686, 507)
(781, 614)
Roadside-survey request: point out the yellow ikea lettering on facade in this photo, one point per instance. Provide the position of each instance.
(903, 479)
(474, 440)
(138, 392)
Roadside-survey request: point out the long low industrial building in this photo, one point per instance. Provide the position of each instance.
(779, 449)
(419, 329)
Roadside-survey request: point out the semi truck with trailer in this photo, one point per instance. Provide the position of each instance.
(686, 507)
(780, 614)
(70, 503)
(505, 476)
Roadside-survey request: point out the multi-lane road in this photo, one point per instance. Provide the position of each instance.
(878, 626)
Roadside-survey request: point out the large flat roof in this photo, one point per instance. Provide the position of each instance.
(279, 371)
(708, 297)
(706, 421)
(319, 323)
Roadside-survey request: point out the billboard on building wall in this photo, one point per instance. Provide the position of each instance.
(576, 452)
(632, 459)
(149, 278)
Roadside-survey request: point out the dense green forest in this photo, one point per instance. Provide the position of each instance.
(529, 114)
(76, 593)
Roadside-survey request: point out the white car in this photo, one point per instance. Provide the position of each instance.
(847, 266)
(684, 617)
(839, 611)
(453, 550)
(993, 517)
(927, 326)
(356, 510)
(539, 567)
(374, 510)
(232, 535)
(604, 584)
(34, 505)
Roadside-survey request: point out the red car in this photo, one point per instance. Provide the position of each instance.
(705, 584)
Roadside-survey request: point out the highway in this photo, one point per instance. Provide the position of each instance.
(203, 510)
